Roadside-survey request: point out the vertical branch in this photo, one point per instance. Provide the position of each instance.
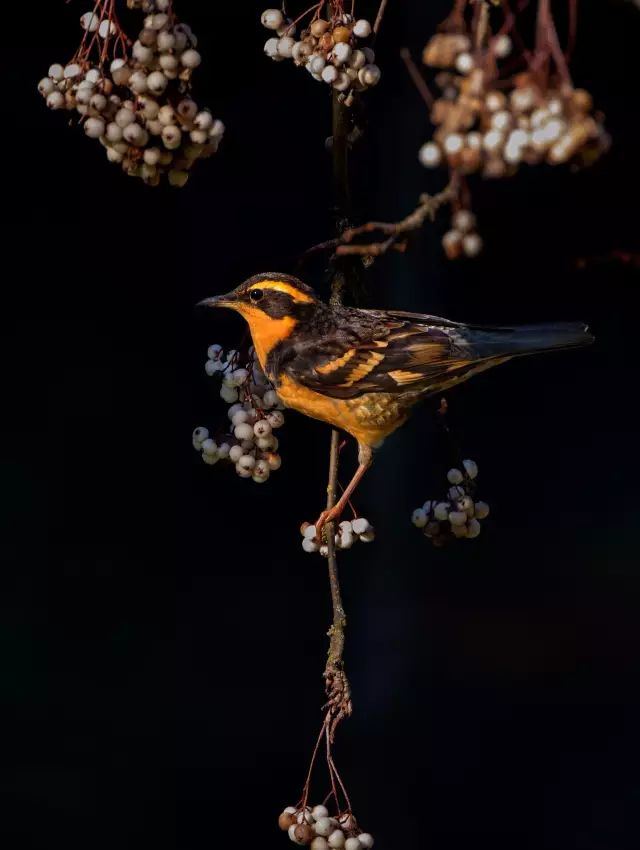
(336, 643)
(337, 685)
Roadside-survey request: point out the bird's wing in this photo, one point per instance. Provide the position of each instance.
(390, 353)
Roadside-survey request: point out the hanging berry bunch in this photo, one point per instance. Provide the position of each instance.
(457, 515)
(348, 533)
(134, 97)
(314, 827)
(332, 46)
(254, 414)
(490, 120)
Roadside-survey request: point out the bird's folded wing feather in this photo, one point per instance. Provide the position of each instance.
(391, 355)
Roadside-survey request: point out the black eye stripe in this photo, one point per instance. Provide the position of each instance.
(256, 294)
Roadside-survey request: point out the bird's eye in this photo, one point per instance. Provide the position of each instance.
(256, 295)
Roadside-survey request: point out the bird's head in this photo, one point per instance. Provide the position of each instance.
(273, 306)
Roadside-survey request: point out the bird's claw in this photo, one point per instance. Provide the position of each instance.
(324, 518)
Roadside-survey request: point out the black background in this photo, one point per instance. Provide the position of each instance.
(163, 634)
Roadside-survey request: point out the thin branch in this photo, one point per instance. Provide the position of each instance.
(336, 682)
(396, 232)
(380, 16)
(417, 77)
(573, 27)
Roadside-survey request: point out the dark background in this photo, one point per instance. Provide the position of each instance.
(163, 634)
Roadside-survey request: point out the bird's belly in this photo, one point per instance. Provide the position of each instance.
(369, 418)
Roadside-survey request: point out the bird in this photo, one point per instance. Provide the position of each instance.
(362, 371)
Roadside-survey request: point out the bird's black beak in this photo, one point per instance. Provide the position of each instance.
(228, 300)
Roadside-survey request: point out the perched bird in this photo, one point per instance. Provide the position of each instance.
(363, 370)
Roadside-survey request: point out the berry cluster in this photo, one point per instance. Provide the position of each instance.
(331, 49)
(254, 415)
(315, 828)
(348, 533)
(135, 98)
(483, 127)
(456, 516)
(491, 117)
(462, 239)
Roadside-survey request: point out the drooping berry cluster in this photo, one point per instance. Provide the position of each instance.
(331, 48)
(134, 98)
(491, 117)
(456, 516)
(491, 129)
(315, 828)
(254, 413)
(348, 533)
(462, 239)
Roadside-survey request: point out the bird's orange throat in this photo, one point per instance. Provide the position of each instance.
(265, 331)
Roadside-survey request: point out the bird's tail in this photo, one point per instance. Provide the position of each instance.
(530, 339)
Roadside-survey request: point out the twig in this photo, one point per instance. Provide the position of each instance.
(380, 16)
(417, 77)
(427, 208)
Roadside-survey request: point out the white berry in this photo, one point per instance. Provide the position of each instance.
(430, 155)
(360, 525)
(457, 518)
(56, 72)
(502, 46)
(191, 58)
(209, 447)
(262, 428)
(472, 244)
(370, 75)
(473, 528)
(471, 468)
(362, 28)
(464, 63)
(463, 220)
(244, 431)
(482, 510)
(419, 518)
(55, 100)
(94, 128)
(441, 511)
(272, 19)
(171, 137)
(157, 82)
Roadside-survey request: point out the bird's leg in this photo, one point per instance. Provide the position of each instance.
(365, 459)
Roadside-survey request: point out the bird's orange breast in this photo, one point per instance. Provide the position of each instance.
(369, 418)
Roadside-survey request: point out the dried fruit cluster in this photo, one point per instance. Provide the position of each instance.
(134, 98)
(488, 118)
(331, 48)
(348, 533)
(254, 415)
(315, 828)
(462, 239)
(456, 516)
(491, 129)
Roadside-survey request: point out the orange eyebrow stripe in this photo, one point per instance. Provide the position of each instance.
(363, 369)
(333, 365)
(287, 288)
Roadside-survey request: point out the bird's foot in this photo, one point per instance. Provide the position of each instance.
(326, 517)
